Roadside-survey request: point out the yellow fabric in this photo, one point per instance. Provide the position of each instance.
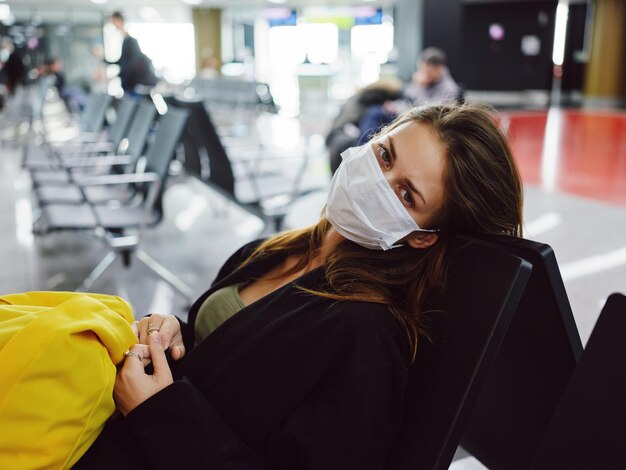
(58, 357)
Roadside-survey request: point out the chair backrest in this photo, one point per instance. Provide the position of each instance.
(482, 291)
(91, 103)
(166, 138)
(162, 149)
(92, 118)
(139, 128)
(124, 113)
(537, 357)
(587, 430)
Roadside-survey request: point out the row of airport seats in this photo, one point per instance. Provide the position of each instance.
(233, 95)
(503, 373)
(113, 183)
(224, 148)
(248, 179)
(108, 183)
(235, 106)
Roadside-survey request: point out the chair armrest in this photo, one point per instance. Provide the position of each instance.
(108, 160)
(120, 179)
(86, 147)
(86, 137)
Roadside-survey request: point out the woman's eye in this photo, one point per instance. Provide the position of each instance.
(406, 197)
(384, 156)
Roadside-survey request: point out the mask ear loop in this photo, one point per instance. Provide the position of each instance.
(438, 231)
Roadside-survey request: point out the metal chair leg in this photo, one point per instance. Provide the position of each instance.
(98, 271)
(166, 275)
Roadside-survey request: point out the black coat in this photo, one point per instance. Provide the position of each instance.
(293, 381)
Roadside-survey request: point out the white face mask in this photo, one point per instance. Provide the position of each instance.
(363, 207)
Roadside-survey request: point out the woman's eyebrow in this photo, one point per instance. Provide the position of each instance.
(407, 181)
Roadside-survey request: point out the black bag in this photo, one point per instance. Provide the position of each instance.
(144, 70)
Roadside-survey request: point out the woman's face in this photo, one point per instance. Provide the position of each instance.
(412, 159)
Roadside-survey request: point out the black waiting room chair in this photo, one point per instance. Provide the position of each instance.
(92, 119)
(67, 185)
(588, 428)
(123, 226)
(44, 157)
(481, 296)
(534, 364)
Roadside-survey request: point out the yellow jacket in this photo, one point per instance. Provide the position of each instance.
(58, 357)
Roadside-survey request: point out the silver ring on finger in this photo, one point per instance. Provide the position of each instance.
(128, 352)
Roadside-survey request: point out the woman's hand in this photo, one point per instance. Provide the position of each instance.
(132, 385)
(167, 327)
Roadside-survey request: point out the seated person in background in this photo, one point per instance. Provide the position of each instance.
(54, 69)
(431, 84)
(298, 356)
(344, 131)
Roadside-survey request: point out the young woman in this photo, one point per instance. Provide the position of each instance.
(297, 356)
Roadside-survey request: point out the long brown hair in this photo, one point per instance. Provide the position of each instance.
(483, 195)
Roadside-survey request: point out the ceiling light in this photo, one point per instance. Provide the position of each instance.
(149, 14)
(193, 2)
(5, 12)
(99, 2)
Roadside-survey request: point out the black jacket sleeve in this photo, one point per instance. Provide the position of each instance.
(349, 425)
(191, 434)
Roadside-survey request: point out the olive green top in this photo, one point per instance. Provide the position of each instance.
(216, 309)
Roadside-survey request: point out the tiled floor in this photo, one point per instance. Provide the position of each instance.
(573, 164)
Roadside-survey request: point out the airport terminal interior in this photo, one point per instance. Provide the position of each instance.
(270, 86)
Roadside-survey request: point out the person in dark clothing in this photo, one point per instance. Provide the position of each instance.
(54, 68)
(135, 67)
(14, 72)
(345, 131)
(297, 356)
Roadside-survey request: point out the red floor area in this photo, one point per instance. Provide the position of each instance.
(579, 152)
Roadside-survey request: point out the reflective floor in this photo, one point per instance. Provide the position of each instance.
(573, 164)
(572, 151)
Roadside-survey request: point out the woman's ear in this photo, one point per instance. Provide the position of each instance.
(422, 240)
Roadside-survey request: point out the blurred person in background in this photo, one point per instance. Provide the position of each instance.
(135, 67)
(13, 71)
(73, 96)
(54, 67)
(345, 130)
(431, 84)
